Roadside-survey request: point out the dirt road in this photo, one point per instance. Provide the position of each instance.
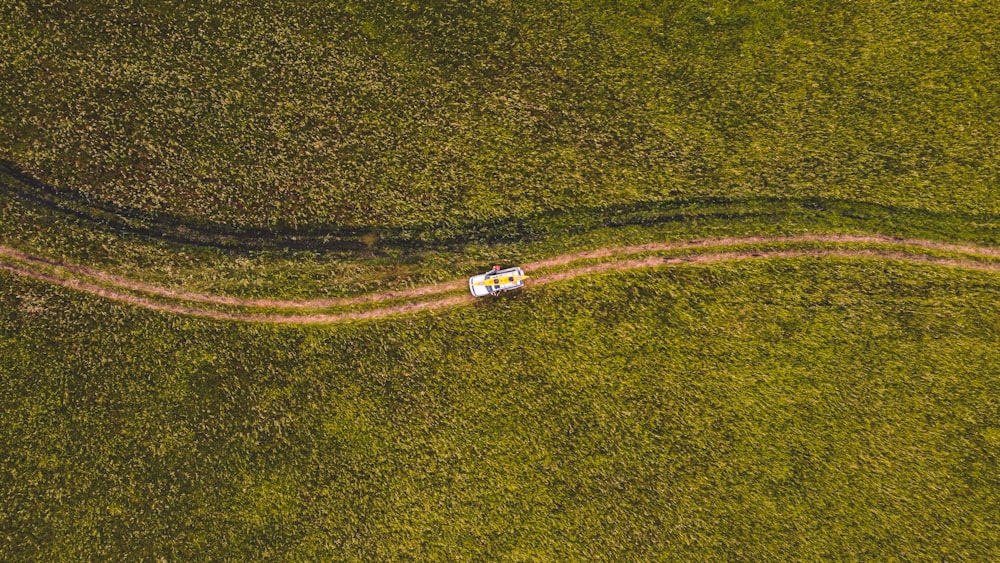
(553, 269)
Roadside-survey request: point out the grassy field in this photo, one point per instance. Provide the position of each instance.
(370, 114)
(777, 409)
(788, 409)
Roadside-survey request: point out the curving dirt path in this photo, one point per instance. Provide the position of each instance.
(120, 289)
(745, 241)
(132, 285)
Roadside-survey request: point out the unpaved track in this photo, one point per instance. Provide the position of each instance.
(132, 285)
(745, 241)
(119, 289)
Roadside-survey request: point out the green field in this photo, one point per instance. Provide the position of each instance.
(769, 409)
(789, 409)
(370, 114)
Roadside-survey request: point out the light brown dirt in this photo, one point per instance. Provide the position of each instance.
(132, 285)
(744, 241)
(120, 287)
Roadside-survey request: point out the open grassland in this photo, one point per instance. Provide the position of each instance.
(810, 409)
(814, 408)
(366, 114)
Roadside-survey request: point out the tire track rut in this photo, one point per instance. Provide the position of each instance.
(120, 289)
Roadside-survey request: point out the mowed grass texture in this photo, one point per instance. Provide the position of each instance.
(813, 409)
(372, 114)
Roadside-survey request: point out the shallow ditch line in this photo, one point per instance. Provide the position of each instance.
(436, 289)
(649, 262)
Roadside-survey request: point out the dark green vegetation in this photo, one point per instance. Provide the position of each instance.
(812, 409)
(371, 114)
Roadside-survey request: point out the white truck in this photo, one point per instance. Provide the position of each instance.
(497, 281)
